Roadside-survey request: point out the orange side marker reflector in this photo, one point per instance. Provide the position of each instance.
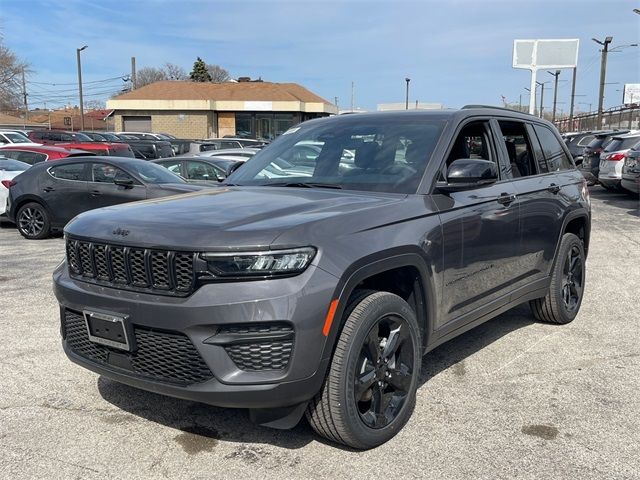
(328, 320)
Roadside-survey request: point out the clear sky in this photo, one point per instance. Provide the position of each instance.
(455, 51)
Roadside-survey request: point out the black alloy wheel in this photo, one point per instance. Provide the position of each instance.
(33, 221)
(384, 370)
(572, 279)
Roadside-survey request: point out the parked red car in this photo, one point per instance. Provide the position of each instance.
(31, 155)
(77, 140)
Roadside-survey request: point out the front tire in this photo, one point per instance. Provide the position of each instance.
(562, 302)
(33, 221)
(370, 390)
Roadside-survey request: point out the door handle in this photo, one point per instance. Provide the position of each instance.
(553, 188)
(506, 198)
(95, 193)
(48, 189)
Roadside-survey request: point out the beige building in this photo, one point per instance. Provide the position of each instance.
(253, 109)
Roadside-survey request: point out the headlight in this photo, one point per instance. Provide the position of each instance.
(266, 263)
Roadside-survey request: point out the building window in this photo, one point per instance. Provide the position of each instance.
(264, 126)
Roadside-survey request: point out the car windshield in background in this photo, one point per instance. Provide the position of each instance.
(9, 165)
(349, 153)
(17, 137)
(152, 173)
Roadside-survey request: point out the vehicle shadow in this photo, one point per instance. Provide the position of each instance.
(198, 425)
(617, 199)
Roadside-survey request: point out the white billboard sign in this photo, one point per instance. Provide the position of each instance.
(631, 94)
(544, 53)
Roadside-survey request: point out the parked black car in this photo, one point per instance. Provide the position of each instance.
(45, 197)
(590, 166)
(576, 143)
(318, 294)
(631, 170)
(102, 136)
(150, 149)
(200, 169)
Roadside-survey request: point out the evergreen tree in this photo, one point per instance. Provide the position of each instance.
(199, 72)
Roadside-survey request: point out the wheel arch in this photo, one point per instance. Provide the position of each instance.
(29, 198)
(377, 272)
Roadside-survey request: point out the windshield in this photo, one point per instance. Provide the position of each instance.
(385, 154)
(9, 165)
(16, 137)
(152, 173)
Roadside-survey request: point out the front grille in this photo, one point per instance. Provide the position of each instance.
(161, 356)
(139, 269)
(259, 355)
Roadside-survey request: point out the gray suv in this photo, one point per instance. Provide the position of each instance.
(314, 286)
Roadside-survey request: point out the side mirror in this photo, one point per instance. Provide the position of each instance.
(123, 182)
(469, 173)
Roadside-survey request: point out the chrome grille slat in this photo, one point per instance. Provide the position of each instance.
(132, 268)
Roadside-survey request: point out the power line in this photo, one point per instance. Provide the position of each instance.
(121, 77)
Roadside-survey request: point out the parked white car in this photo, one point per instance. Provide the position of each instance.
(10, 137)
(612, 159)
(9, 168)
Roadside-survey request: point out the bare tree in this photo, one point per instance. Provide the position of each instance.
(94, 104)
(218, 74)
(148, 75)
(11, 68)
(175, 72)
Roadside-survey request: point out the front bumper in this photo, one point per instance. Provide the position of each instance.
(300, 302)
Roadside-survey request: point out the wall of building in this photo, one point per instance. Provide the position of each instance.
(186, 124)
(226, 124)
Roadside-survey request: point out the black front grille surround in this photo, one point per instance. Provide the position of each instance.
(167, 357)
(163, 272)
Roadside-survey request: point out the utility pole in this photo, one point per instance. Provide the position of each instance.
(407, 93)
(24, 97)
(133, 73)
(556, 74)
(541, 97)
(336, 103)
(603, 74)
(352, 93)
(573, 95)
(78, 50)
(520, 104)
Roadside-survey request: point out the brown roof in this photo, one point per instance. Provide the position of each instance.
(11, 120)
(241, 91)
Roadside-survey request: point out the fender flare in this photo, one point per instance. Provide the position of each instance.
(380, 262)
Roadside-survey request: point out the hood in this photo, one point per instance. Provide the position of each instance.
(226, 217)
(163, 189)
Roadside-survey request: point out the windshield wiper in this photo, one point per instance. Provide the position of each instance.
(303, 185)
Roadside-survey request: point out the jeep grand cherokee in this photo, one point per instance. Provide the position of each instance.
(316, 288)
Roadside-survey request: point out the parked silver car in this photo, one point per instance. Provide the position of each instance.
(612, 159)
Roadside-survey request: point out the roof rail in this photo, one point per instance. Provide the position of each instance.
(493, 107)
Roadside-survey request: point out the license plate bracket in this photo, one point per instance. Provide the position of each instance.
(108, 329)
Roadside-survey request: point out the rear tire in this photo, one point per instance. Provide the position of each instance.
(33, 221)
(369, 393)
(562, 302)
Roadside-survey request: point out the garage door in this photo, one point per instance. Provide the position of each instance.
(136, 124)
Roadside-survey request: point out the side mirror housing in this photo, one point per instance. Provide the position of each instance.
(469, 173)
(123, 182)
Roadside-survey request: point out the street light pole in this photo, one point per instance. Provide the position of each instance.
(78, 50)
(573, 94)
(541, 97)
(603, 74)
(407, 96)
(555, 94)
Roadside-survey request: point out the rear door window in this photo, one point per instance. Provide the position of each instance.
(519, 149)
(31, 157)
(72, 171)
(552, 149)
(173, 166)
(584, 141)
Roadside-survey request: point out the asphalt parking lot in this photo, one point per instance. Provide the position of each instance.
(511, 398)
